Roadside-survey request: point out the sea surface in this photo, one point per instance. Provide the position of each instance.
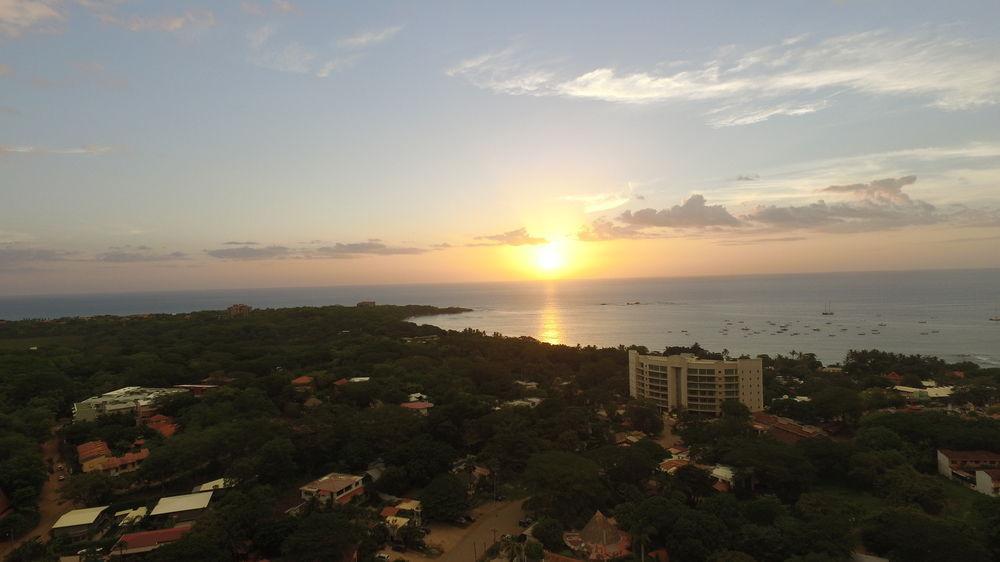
(943, 313)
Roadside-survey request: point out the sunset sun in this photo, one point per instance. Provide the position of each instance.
(550, 258)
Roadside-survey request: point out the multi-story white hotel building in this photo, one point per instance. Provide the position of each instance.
(699, 385)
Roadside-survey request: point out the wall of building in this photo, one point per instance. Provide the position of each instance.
(684, 382)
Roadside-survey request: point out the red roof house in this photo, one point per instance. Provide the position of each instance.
(92, 450)
(304, 380)
(145, 541)
(894, 377)
(421, 406)
(164, 425)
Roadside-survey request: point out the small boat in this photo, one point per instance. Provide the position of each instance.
(827, 311)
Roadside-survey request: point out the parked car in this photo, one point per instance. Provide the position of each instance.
(526, 522)
(59, 467)
(383, 556)
(61, 477)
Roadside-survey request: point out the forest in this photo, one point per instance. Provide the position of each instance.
(871, 483)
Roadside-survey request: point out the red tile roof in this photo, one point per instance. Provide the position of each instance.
(92, 450)
(341, 382)
(302, 381)
(417, 405)
(126, 459)
(970, 456)
(389, 511)
(145, 539)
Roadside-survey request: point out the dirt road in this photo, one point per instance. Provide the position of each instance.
(480, 535)
(50, 505)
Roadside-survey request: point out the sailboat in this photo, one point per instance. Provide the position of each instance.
(996, 316)
(827, 311)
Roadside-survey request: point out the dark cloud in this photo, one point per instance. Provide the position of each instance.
(18, 255)
(519, 237)
(693, 213)
(250, 253)
(143, 254)
(372, 247)
(603, 229)
(235, 243)
(878, 205)
(886, 190)
(755, 241)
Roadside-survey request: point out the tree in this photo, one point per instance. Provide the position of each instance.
(645, 417)
(444, 499)
(566, 486)
(905, 534)
(91, 488)
(322, 536)
(550, 532)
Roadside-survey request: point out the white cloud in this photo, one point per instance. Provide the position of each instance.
(369, 38)
(795, 77)
(284, 6)
(598, 202)
(502, 72)
(339, 63)
(293, 57)
(19, 16)
(85, 150)
(170, 24)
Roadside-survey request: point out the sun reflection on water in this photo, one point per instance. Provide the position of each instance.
(550, 323)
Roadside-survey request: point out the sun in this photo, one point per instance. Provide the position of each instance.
(550, 258)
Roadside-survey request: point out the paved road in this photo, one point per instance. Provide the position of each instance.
(479, 535)
(50, 505)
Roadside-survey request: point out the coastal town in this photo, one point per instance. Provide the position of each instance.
(549, 463)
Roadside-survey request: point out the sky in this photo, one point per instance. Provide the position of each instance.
(152, 145)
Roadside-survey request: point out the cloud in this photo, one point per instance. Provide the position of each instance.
(791, 78)
(88, 150)
(138, 254)
(293, 57)
(745, 177)
(877, 205)
(17, 254)
(888, 190)
(170, 24)
(519, 237)
(603, 229)
(339, 63)
(693, 213)
(284, 6)
(369, 38)
(19, 16)
(501, 72)
(358, 249)
(251, 253)
(732, 117)
(756, 241)
(597, 202)
(339, 250)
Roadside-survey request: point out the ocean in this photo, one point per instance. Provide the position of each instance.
(942, 313)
